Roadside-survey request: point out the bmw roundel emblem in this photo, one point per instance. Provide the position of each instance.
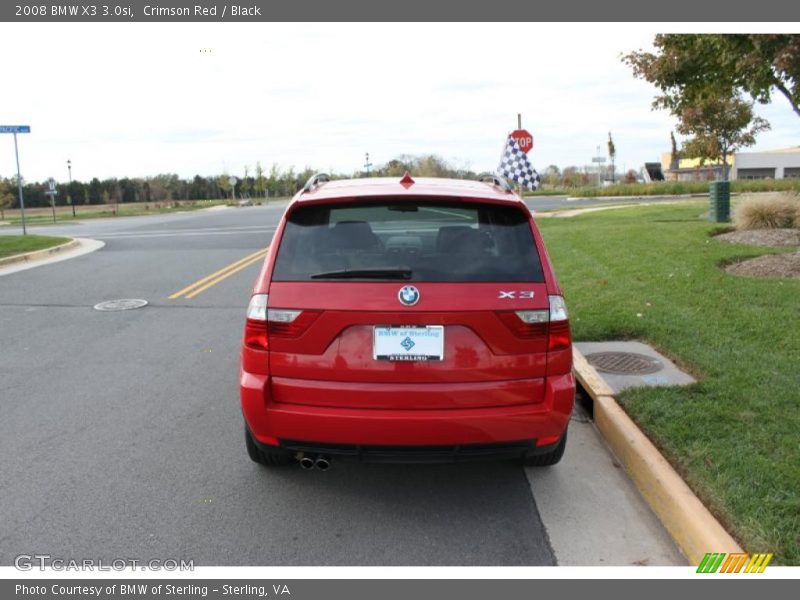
(408, 295)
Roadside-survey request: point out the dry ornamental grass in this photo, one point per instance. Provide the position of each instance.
(779, 210)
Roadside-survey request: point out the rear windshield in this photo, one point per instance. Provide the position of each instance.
(407, 240)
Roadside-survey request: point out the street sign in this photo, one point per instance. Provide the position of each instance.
(232, 181)
(15, 128)
(599, 159)
(51, 191)
(524, 139)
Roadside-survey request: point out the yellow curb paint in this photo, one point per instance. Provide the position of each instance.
(693, 528)
(224, 276)
(196, 284)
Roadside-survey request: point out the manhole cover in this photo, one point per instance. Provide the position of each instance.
(124, 304)
(624, 363)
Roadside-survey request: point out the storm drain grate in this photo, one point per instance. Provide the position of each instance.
(624, 363)
(123, 304)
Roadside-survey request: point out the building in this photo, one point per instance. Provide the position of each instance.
(774, 164)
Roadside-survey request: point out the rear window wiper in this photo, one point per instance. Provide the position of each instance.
(383, 273)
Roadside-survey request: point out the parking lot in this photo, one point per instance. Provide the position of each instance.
(122, 435)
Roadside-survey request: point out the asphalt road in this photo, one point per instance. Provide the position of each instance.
(121, 434)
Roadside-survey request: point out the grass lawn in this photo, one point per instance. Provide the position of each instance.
(44, 216)
(671, 188)
(17, 244)
(651, 274)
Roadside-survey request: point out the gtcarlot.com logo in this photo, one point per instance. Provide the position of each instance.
(28, 562)
(720, 562)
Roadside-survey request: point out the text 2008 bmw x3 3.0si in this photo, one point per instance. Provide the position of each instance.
(406, 321)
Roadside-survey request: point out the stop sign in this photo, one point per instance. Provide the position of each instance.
(524, 139)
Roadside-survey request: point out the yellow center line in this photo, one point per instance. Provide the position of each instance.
(219, 275)
(224, 276)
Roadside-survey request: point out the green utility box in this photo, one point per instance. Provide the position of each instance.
(720, 197)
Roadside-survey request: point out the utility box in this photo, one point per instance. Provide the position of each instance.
(720, 198)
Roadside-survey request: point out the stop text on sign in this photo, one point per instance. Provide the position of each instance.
(524, 139)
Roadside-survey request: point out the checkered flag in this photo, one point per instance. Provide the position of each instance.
(515, 166)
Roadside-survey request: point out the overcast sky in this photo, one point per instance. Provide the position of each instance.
(140, 99)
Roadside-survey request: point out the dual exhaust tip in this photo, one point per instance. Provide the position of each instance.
(323, 463)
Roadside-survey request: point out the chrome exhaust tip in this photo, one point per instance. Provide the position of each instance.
(323, 463)
(307, 463)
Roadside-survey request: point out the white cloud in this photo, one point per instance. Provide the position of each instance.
(139, 99)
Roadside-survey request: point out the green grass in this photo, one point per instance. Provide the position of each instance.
(42, 216)
(17, 244)
(734, 435)
(669, 188)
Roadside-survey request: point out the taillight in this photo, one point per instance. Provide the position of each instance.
(552, 323)
(558, 335)
(255, 327)
(526, 324)
(290, 323)
(263, 322)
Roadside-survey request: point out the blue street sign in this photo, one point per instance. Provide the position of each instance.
(15, 128)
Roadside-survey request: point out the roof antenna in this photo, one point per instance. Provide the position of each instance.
(407, 181)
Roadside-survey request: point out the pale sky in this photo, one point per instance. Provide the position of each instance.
(140, 99)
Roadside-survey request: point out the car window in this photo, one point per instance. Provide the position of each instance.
(415, 241)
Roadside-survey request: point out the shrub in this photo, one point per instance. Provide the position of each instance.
(773, 211)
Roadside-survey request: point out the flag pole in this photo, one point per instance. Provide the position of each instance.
(519, 126)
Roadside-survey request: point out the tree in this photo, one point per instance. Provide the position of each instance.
(631, 177)
(552, 176)
(224, 183)
(6, 197)
(244, 187)
(260, 185)
(612, 154)
(719, 126)
(674, 155)
(95, 191)
(691, 68)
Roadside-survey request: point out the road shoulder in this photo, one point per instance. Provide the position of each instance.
(592, 511)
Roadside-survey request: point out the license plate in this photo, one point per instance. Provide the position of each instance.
(412, 343)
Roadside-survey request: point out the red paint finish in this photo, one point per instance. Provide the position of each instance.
(315, 378)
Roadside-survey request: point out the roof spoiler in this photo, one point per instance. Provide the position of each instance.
(495, 179)
(315, 181)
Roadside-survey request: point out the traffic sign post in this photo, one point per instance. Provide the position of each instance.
(51, 191)
(524, 139)
(233, 181)
(15, 129)
(600, 160)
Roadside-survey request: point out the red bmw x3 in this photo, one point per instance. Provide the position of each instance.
(396, 320)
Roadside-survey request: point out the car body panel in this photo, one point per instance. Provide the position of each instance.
(325, 386)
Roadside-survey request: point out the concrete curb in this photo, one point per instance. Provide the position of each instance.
(39, 254)
(688, 521)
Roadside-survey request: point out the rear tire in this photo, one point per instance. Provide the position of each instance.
(269, 458)
(549, 458)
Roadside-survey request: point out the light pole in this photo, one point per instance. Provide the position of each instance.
(69, 193)
(367, 164)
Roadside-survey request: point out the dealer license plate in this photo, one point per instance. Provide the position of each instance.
(405, 342)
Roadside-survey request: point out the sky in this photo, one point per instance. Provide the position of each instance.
(138, 99)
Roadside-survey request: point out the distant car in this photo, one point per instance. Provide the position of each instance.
(406, 321)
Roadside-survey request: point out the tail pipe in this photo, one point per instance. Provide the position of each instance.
(321, 462)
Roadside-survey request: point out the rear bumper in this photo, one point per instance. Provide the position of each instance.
(418, 454)
(276, 423)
